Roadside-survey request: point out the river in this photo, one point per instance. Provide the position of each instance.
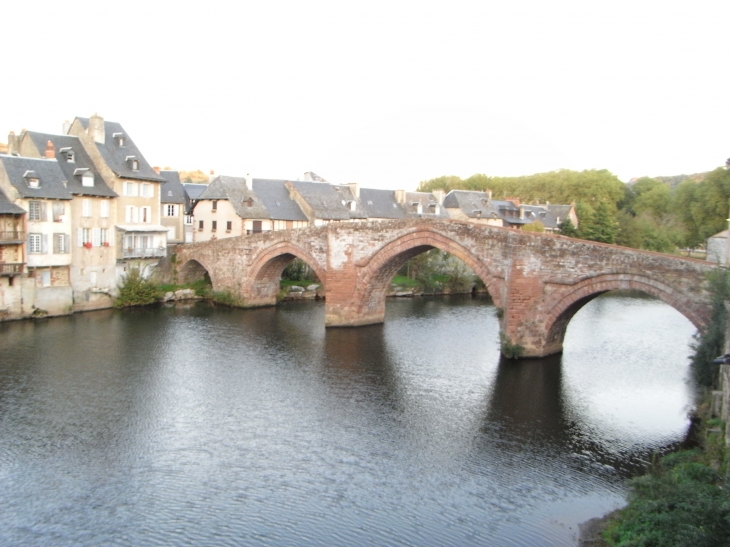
(201, 425)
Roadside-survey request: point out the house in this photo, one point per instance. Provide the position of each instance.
(192, 194)
(717, 247)
(284, 212)
(228, 207)
(92, 216)
(323, 203)
(12, 258)
(421, 204)
(140, 239)
(173, 207)
(381, 204)
(473, 206)
(38, 187)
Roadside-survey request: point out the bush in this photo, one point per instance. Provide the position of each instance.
(712, 342)
(135, 290)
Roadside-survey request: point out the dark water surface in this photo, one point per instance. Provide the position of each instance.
(211, 426)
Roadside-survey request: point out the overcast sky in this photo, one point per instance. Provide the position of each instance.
(383, 93)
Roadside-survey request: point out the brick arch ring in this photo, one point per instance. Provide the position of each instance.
(265, 262)
(562, 301)
(422, 238)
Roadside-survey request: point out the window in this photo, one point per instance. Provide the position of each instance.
(200, 225)
(84, 236)
(35, 243)
(59, 211)
(131, 214)
(31, 179)
(36, 210)
(131, 189)
(171, 210)
(104, 236)
(215, 205)
(70, 157)
(229, 226)
(104, 209)
(214, 226)
(145, 214)
(60, 243)
(96, 237)
(135, 165)
(87, 179)
(46, 278)
(147, 191)
(86, 208)
(189, 220)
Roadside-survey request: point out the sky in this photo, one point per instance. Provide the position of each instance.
(383, 93)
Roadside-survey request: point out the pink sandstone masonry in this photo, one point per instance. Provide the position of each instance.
(539, 281)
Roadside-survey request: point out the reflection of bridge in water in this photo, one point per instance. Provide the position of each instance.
(539, 281)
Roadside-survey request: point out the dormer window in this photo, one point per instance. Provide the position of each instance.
(31, 179)
(119, 137)
(133, 163)
(352, 205)
(68, 154)
(86, 176)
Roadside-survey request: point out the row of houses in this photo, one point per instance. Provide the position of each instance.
(78, 210)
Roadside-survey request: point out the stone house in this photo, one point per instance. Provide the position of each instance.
(717, 247)
(140, 239)
(12, 257)
(284, 212)
(92, 216)
(381, 204)
(422, 204)
(174, 205)
(323, 203)
(38, 187)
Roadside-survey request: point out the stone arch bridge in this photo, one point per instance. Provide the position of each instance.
(539, 281)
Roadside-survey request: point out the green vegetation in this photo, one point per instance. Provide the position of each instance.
(135, 290)
(658, 214)
(712, 343)
(683, 500)
(509, 349)
(434, 270)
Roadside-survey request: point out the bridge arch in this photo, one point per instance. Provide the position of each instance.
(565, 304)
(374, 279)
(192, 270)
(262, 284)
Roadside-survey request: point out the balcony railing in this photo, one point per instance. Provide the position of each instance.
(144, 252)
(10, 268)
(12, 236)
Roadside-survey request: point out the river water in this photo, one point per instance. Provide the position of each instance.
(200, 425)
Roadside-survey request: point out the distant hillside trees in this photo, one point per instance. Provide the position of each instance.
(660, 214)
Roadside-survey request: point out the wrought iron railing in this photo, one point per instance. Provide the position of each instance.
(10, 268)
(144, 252)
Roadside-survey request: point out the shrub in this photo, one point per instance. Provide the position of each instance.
(135, 290)
(510, 350)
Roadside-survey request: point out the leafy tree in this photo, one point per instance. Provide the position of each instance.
(536, 226)
(566, 228)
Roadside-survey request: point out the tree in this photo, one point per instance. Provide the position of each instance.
(566, 228)
(599, 225)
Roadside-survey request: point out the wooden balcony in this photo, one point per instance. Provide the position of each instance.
(11, 268)
(12, 237)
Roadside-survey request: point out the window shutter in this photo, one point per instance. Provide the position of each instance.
(44, 243)
(44, 214)
(95, 237)
(79, 237)
(65, 238)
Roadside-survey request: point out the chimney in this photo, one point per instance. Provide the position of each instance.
(96, 128)
(355, 189)
(249, 181)
(515, 201)
(66, 127)
(12, 144)
(522, 212)
(489, 195)
(400, 196)
(439, 195)
(211, 176)
(50, 150)
(156, 169)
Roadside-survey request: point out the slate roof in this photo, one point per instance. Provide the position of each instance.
(50, 177)
(329, 202)
(81, 161)
(275, 196)
(380, 203)
(115, 156)
(172, 191)
(194, 190)
(542, 214)
(428, 202)
(472, 204)
(560, 212)
(9, 208)
(235, 191)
